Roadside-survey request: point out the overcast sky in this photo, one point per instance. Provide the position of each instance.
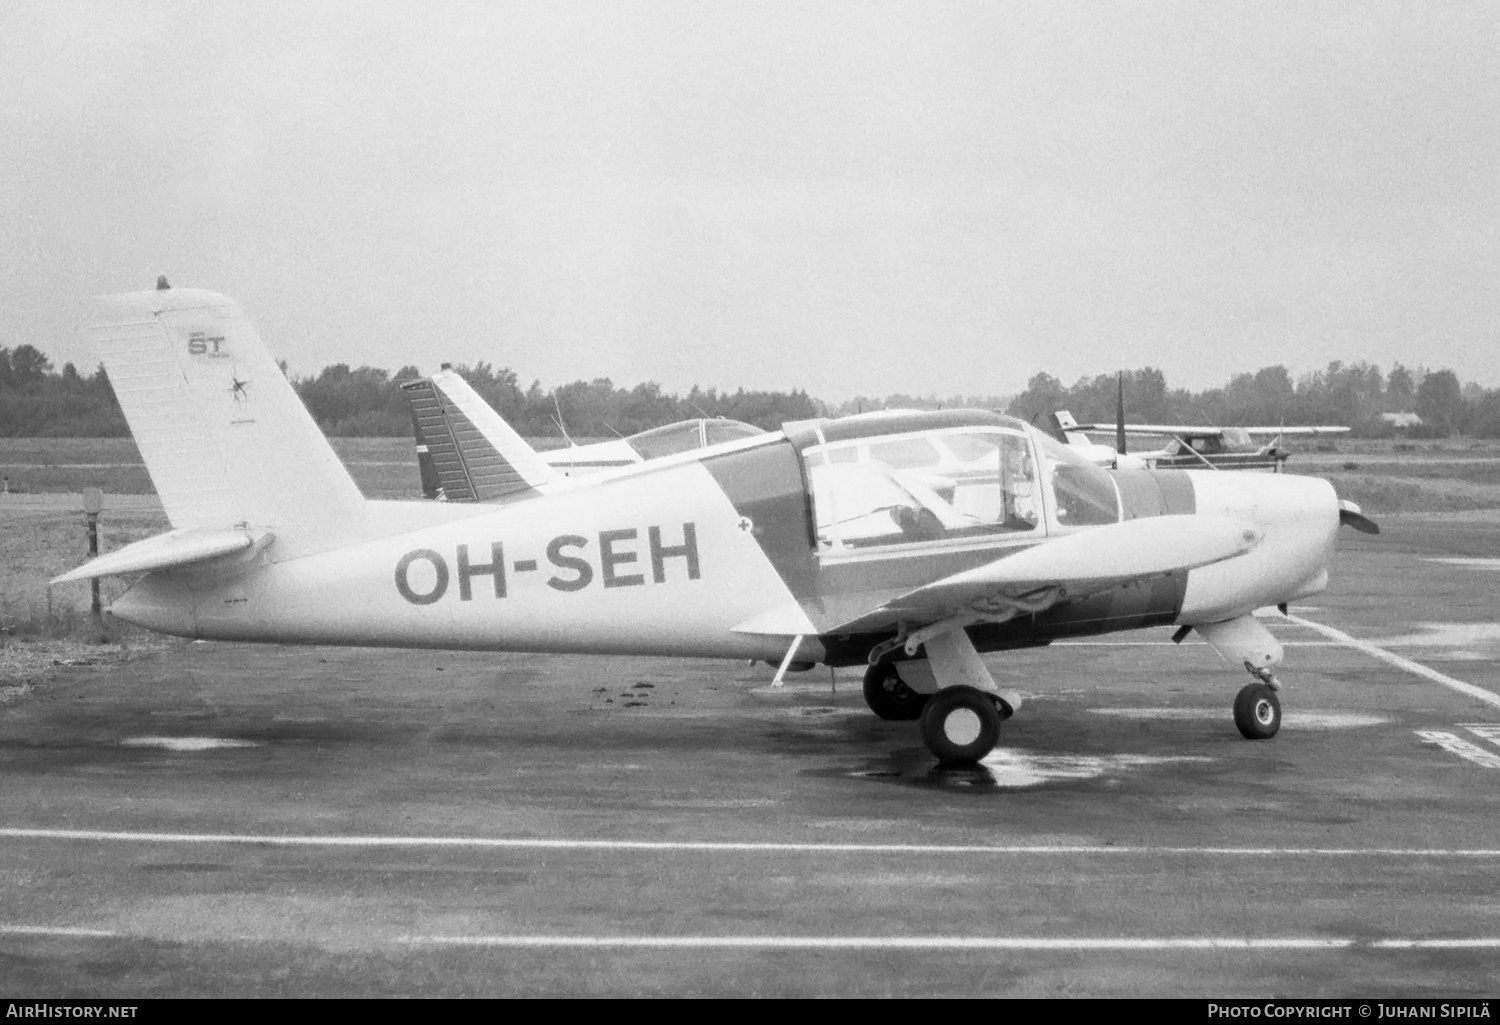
(848, 198)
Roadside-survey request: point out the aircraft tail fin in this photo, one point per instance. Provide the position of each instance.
(226, 440)
(1066, 429)
(471, 453)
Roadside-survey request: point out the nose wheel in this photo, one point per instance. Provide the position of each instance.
(1257, 712)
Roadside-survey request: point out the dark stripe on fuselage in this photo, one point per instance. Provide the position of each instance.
(1148, 493)
(766, 488)
(1177, 492)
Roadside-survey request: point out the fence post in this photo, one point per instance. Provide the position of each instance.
(93, 504)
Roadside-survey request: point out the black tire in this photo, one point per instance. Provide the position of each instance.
(890, 698)
(1257, 712)
(960, 725)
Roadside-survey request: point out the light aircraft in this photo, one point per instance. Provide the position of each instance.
(467, 453)
(1189, 448)
(906, 542)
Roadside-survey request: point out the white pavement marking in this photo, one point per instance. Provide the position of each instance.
(1167, 642)
(1489, 564)
(1454, 744)
(542, 843)
(56, 930)
(1488, 697)
(1487, 730)
(1445, 635)
(1014, 943)
(186, 743)
(955, 943)
(1293, 719)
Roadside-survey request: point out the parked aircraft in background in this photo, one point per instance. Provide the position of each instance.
(906, 542)
(467, 452)
(1186, 448)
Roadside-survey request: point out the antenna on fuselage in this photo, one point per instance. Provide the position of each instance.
(558, 419)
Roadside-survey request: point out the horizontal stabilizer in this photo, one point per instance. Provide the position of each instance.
(171, 550)
(1086, 562)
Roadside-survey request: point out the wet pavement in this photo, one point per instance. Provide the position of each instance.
(223, 819)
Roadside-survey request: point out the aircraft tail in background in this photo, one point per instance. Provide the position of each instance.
(465, 450)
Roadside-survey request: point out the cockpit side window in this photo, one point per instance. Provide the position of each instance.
(934, 486)
(717, 431)
(683, 436)
(1082, 494)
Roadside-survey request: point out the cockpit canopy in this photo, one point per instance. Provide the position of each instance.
(941, 477)
(686, 435)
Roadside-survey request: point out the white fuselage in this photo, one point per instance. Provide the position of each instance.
(660, 565)
(654, 561)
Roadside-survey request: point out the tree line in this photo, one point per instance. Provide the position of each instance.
(1354, 395)
(37, 400)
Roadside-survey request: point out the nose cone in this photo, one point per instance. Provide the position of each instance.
(158, 604)
(1299, 518)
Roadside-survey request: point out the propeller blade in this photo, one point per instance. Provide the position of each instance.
(1120, 413)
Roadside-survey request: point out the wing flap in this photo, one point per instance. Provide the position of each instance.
(784, 621)
(171, 550)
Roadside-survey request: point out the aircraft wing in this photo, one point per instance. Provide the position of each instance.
(1180, 431)
(1069, 567)
(1293, 432)
(1159, 429)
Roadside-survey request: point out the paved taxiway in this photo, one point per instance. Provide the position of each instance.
(237, 820)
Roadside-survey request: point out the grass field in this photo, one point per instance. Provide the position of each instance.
(383, 467)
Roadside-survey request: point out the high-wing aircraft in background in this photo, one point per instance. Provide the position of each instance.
(1198, 448)
(467, 452)
(1186, 448)
(905, 542)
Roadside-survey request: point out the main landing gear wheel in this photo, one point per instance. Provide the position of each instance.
(960, 725)
(889, 697)
(1257, 712)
